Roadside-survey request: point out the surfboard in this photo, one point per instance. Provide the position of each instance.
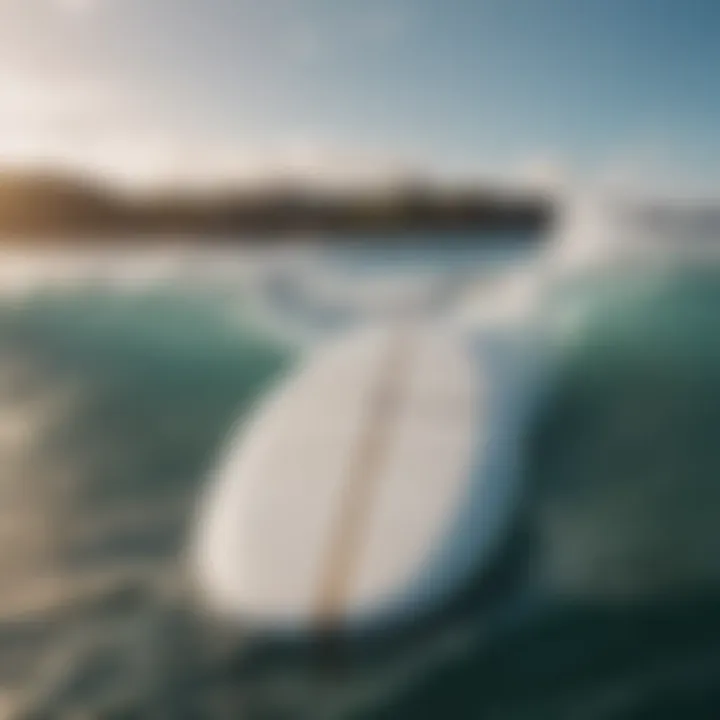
(365, 489)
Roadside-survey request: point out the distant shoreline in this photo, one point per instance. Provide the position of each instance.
(51, 208)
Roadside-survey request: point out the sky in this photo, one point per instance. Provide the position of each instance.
(526, 91)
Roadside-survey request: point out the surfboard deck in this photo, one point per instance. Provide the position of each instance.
(368, 485)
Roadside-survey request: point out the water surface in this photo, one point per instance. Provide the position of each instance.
(118, 385)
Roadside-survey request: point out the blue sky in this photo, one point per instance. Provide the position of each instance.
(513, 89)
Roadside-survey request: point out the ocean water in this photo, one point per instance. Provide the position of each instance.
(120, 377)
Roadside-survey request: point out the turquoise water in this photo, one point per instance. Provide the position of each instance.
(604, 604)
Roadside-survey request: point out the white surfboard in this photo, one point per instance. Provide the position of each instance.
(366, 488)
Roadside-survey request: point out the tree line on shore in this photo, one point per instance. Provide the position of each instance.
(59, 205)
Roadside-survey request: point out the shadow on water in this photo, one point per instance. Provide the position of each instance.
(605, 604)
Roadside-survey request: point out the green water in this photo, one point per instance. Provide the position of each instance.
(604, 604)
(623, 524)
